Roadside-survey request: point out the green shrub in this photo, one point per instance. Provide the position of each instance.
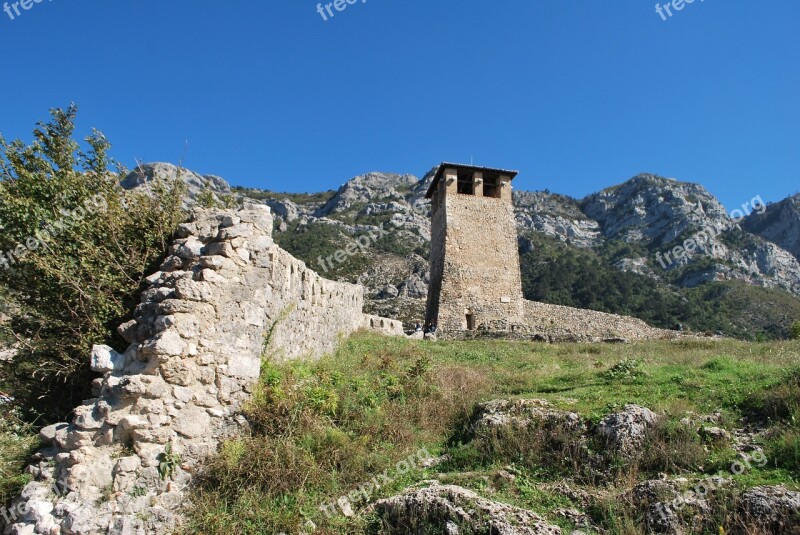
(81, 247)
(624, 369)
(796, 330)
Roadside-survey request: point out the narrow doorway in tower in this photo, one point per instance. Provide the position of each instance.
(470, 321)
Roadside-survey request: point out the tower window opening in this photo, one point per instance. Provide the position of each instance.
(465, 186)
(491, 188)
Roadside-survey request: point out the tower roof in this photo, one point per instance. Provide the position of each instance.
(489, 172)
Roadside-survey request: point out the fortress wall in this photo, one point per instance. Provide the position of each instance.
(559, 323)
(226, 297)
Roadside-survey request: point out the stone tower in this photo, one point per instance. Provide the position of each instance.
(475, 273)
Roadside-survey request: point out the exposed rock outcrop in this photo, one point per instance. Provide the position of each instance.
(780, 224)
(368, 188)
(556, 215)
(652, 208)
(521, 413)
(196, 184)
(455, 510)
(772, 507)
(627, 430)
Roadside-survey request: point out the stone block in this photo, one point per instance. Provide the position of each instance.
(106, 359)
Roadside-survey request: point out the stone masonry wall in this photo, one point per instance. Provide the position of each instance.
(555, 323)
(481, 264)
(225, 297)
(383, 325)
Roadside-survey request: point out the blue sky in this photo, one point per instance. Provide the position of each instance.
(577, 95)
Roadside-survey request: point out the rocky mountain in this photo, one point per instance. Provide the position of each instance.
(656, 214)
(671, 235)
(780, 224)
(144, 174)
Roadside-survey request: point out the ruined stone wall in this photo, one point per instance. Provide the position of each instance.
(383, 325)
(556, 323)
(481, 270)
(226, 297)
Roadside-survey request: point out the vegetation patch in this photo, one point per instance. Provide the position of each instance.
(320, 430)
(82, 246)
(17, 443)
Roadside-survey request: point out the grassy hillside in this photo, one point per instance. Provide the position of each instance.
(320, 430)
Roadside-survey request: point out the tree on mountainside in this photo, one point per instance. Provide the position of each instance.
(74, 249)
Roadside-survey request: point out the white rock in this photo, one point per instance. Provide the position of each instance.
(106, 359)
(209, 275)
(48, 434)
(191, 249)
(192, 422)
(244, 367)
(133, 422)
(166, 344)
(39, 511)
(193, 290)
(23, 529)
(127, 464)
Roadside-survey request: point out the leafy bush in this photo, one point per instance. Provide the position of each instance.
(796, 330)
(78, 247)
(317, 244)
(624, 369)
(208, 199)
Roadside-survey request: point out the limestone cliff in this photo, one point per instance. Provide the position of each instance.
(780, 224)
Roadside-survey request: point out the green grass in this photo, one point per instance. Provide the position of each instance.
(17, 442)
(321, 429)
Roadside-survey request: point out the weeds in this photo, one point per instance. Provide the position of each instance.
(624, 369)
(17, 443)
